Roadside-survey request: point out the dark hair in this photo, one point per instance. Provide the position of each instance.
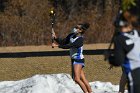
(84, 26)
(133, 12)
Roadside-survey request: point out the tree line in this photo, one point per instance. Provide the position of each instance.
(27, 22)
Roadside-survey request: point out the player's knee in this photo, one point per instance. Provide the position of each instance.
(77, 79)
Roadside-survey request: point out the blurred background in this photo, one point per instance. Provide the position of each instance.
(28, 22)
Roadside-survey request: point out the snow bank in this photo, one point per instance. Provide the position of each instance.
(53, 83)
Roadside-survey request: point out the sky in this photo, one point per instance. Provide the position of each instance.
(53, 83)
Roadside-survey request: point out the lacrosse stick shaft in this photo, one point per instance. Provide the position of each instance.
(52, 35)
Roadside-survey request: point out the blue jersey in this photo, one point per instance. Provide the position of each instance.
(127, 50)
(74, 43)
(132, 60)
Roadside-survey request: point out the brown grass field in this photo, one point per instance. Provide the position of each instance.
(96, 68)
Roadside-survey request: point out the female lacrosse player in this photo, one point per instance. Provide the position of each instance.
(74, 42)
(127, 55)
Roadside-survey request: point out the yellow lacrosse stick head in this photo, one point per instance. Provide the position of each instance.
(51, 11)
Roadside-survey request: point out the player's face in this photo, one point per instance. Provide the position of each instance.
(79, 29)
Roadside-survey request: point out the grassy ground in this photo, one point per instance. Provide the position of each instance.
(96, 68)
(19, 68)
